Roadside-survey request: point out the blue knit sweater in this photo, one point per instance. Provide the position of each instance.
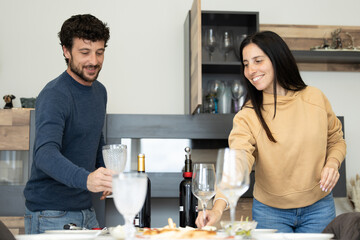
(68, 141)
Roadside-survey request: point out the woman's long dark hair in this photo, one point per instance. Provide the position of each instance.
(286, 72)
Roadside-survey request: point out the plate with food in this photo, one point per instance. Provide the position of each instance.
(172, 232)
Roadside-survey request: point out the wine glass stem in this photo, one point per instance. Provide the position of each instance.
(204, 211)
(232, 217)
(129, 228)
(210, 56)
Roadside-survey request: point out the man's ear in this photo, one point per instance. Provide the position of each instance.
(4, 97)
(66, 52)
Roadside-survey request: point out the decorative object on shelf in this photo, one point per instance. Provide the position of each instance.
(8, 101)
(227, 43)
(338, 43)
(210, 41)
(28, 102)
(354, 192)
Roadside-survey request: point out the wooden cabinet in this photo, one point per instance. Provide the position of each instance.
(201, 67)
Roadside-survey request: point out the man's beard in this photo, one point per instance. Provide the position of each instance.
(80, 72)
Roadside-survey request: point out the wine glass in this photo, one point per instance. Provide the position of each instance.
(227, 43)
(239, 39)
(210, 41)
(115, 157)
(129, 191)
(203, 184)
(232, 174)
(238, 91)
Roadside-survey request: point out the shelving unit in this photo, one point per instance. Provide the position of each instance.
(327, 56)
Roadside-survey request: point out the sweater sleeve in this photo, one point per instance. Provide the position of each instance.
(51, 113)
(241, 137)
(336, 146)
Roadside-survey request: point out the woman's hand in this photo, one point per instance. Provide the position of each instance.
(212, 217)
(329, 175)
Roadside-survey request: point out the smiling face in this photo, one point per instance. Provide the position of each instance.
(85, 60)
(258, 68)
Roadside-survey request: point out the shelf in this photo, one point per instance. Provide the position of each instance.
(327, 56)
(301, 56)
(223, 67)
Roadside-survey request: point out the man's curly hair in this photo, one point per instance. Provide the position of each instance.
(83, 26)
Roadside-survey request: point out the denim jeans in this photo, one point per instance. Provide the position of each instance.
(39, 222)
(310, 219)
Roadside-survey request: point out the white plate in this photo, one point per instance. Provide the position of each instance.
(87, 232)
(294, 236)
(262, 231)
(62, 236)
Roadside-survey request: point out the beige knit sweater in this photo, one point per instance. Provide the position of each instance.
(307, 131)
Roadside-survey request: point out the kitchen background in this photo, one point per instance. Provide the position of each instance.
(144, 62)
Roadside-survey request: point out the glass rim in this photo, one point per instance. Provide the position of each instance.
(123, 175)
(114, 146)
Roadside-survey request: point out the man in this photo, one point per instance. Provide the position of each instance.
(70, 113)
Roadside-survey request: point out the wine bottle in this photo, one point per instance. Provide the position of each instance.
(143, 218)
(188, 202)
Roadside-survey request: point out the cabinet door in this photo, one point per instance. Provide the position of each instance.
(195, 56)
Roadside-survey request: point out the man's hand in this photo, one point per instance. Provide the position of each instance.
(105, 194)
(100, 180)
(329, 175)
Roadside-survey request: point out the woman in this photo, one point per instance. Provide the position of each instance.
(291, 135)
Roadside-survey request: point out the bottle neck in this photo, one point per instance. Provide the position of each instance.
(141, 163)
(187, 174)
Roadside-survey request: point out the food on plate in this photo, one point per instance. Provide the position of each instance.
(241, 227)
(171, 232)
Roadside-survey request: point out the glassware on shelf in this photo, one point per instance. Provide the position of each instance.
(129, 191)
(115, 157)
(210, 42)
(203, 184)
(238, 94)
(227, 43)
(224, 97)
(232, 177)
(238, 41)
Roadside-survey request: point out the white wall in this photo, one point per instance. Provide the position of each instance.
(144, 63)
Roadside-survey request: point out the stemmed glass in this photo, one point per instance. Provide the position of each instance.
(129, 191)
(232, 174)
(227, 43)
(115, 157)
(210, 41)
(238, 91)
(203, 184)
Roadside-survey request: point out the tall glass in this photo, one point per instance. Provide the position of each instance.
(232, 174)
(115, 157)
(129, 191)
(203, 184)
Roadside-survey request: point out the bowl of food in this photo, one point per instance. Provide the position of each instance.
(243, 228)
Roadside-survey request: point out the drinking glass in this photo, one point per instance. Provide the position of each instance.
(129, 191)
(238, 91)
(232, 174)
(203, 184)
(115, 157)
(227, 43)
(210, 41)
(238, 41)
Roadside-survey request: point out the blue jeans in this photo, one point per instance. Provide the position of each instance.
(39, 222)
(310, 219)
